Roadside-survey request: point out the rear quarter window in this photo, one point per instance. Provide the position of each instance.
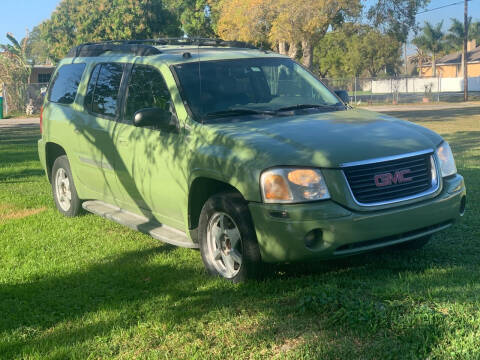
(65, 84)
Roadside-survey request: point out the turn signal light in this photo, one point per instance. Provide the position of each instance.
(276, 188)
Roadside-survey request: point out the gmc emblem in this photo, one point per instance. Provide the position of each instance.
(399, 177)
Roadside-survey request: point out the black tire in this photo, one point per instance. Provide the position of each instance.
(234, 206)
(61, 168)
(414, 244)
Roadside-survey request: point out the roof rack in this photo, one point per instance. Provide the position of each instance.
(147, 47)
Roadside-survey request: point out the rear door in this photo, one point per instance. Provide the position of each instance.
(96, 148)
(149, 160)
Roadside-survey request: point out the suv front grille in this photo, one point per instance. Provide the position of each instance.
(390, 181)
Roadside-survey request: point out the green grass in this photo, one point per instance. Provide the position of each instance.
(88, 288)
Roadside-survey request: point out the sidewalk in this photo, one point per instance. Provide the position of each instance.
(19, 122)
(419, 107)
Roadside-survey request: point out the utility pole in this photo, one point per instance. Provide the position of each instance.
(465, 52)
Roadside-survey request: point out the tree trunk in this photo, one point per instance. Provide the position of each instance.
(307, 54)
(434, 65)
(282, 47)
(420, 66)
(292, 50)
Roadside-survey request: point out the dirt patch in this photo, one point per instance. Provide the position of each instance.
(9, 212)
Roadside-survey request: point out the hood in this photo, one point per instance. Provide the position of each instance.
(326, 139)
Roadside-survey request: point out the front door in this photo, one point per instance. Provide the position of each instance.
(150, 174)
(95, 148)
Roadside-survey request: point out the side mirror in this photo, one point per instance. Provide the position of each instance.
(160, 118)
(343, 95)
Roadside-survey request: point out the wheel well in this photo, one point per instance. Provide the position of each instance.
(52, 152)
(200, 191)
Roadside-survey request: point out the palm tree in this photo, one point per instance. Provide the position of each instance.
(15, 71)
(456, 34)
(432, 40)
(419, 59)
(16, 53)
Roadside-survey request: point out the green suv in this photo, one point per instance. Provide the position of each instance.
(240, 152)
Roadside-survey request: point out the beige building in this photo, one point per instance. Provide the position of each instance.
(450, 66)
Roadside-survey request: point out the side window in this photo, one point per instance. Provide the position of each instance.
(146, 89)
(103, 89)
(65, 84)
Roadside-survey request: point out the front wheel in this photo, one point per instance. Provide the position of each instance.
(228, 243)
(64, 191)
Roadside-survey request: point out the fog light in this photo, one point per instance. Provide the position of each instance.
(463, 203)
(313, 239)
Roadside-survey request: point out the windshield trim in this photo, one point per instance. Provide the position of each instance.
(200, 120)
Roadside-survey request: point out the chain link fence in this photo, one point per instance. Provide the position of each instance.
(24, 99)
(404, 90)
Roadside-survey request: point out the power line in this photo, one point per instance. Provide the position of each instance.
(441, 7)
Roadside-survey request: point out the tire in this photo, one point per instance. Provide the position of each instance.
(228, 242)
(414, 244)
(63, 188)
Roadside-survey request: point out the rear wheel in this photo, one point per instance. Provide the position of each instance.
(63, 188)
(228, 242)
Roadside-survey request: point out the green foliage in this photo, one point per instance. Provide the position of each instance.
(194, 16)
(356, 50)
(456, 33)
(15, 71)
(432, 40)
(396, 17)
(80, 21)
(37, 48)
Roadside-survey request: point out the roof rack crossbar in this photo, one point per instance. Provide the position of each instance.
(147, 47)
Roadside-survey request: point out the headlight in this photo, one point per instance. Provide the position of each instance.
(445, 156)
(291, 185)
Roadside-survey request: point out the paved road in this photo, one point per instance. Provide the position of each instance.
(17, 122)
(419, 107)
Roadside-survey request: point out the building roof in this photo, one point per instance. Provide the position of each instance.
(473, 56)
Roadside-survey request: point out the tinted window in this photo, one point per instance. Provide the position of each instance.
(103, 89)
(264, 84)
(146, 89)
(65, 85)
(91, 87)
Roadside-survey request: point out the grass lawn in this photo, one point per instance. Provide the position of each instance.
(87, 287)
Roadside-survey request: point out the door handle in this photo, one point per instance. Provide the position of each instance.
(76, 131)
(123, 141)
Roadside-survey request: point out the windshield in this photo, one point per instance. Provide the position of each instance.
(251, 86)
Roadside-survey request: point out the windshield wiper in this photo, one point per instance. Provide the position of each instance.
(310, 106)
(239, 111)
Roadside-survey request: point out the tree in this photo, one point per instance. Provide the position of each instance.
(456, 34)
(354, 50)
(194, 15)
(396, 17)
(245, 20)
(287, 25)
(420, 58)
(79, 21)
(379, 51)
(37, 48)
(15, 70)
(306, 22)
(432, 40)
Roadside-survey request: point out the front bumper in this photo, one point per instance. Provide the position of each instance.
(281, 229)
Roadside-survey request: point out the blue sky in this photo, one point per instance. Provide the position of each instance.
(17, 15)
